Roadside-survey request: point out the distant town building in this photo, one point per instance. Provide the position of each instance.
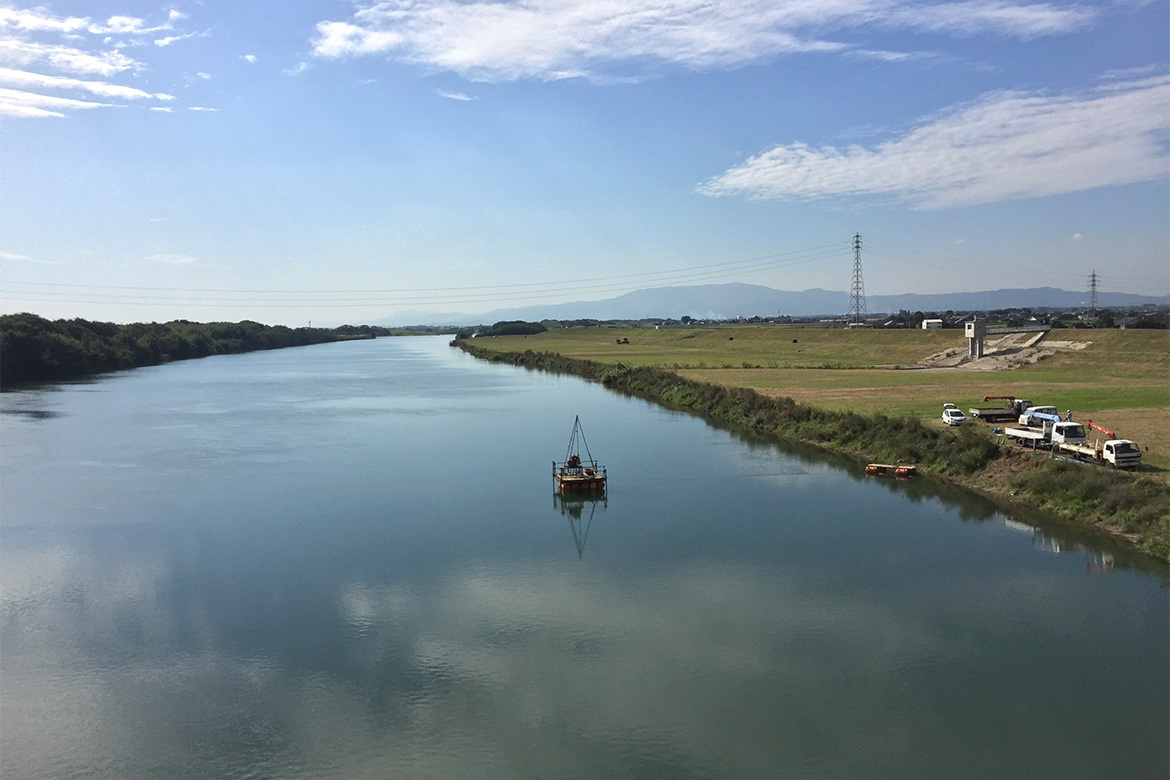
(931, 324)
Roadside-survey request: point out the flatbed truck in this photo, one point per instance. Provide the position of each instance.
(1053, 432)
(1011, 409)
(1112, 451)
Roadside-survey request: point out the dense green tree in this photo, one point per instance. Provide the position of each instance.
(33, 348)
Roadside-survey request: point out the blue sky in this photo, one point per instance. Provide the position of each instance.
(340, 162)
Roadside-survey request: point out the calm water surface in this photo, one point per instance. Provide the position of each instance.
(347, 561)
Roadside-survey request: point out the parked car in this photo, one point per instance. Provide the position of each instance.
(953, 416)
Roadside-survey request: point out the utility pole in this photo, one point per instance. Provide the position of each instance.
(857, 309)
(1093, 278)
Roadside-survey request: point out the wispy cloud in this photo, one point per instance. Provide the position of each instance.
(168, 40)
(201, 108)
(296, 70)
(162, 109)
(39, 20)
(1006, 146)
(169, 259)
(13, 257)
(21, 78)
(75, 50)
(454, 95)
(249, 58)
(554, 39)
(66, 58)
(30, 105)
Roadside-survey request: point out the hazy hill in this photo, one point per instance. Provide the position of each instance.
(724, 301)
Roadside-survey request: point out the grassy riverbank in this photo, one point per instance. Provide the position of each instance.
(1120, 379)
(1126, 505)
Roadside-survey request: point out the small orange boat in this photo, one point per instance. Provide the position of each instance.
(576, 474)
(886, 469)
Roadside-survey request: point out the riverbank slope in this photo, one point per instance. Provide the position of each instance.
(1133, 507)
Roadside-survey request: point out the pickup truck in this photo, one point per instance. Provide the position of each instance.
(1011, 409)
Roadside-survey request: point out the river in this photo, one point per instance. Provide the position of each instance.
(347, 561)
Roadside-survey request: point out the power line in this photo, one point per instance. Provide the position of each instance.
(483, 289)
(131, 295)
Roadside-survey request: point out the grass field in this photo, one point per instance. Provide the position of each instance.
(1120, 379)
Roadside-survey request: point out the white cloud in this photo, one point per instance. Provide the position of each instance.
(1006, 146)
(163, 109)
(126, 25)
(201, 108)
(13, 256)
(38, 20)
(66, 58)
(30, 105)
(454, 95)
(249, 58)
(553, 39)
(20, 78)
(169, 259)
(297, 70)
(1076, 236)
(991, 16)
(84, 48)
(167, 41)
(890, 56)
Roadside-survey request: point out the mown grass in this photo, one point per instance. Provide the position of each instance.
(732, 346)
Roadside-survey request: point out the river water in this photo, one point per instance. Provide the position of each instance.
(347, 561)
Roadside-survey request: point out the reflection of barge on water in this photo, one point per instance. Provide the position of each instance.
(576, 474)
(886, 470)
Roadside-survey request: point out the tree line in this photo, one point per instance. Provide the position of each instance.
(33, 348)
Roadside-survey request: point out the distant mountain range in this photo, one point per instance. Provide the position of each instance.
(727, 301)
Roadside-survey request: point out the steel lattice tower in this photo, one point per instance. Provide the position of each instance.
(1093, 278)
(857, 309)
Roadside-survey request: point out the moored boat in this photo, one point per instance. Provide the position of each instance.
(576, 474)
(885, 469)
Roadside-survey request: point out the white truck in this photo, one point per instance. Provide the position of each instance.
(1115, 452)
(1054, 432)
(1068, 438)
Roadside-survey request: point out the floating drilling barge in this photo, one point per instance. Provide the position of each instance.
(576, 474)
